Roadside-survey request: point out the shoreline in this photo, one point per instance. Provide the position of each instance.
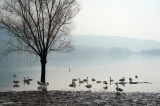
(78, 98)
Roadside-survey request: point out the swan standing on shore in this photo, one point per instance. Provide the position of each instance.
(119, 91)
(47, 83)
(42, 88)
(39, 83)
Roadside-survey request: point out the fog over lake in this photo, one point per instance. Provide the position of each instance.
(92, 61)
(99, 61)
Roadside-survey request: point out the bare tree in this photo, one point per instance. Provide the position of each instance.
(39, 26)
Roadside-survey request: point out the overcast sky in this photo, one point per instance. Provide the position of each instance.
(130, 18)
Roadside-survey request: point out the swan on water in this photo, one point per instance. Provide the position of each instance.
(105, 82)
(118, 89)
(123, 79)
(15, 86)
(98, 81)
(74, 79)
(88, 86)
(14, 75)
(80, 81)
(136, 76)
(30, 79)
(85, 80)
(93, 79)
(73, 84)
(39, 83)
(15, 81)
(25, 80)
(130, 80)
(111, 80)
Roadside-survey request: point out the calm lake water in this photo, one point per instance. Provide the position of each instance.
(100, 67)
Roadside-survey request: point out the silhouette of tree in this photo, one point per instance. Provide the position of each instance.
(38, 26)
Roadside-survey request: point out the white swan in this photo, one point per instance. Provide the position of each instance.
(88, 86)
(80, 81)
(42, 88)
(136, 76)
(98, 81)
(123, 79)
(74, 80)
(111, 80)
(15, 86)
(93, 79)
(16, 82)
(47, 83)
(25, 80)
(105, 82)
(85, 80)
(118, 89)
(130, 80)
(73, 84)
(39, 83)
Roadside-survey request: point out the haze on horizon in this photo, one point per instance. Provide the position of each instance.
(128, 18)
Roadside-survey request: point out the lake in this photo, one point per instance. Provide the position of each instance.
(98, 66)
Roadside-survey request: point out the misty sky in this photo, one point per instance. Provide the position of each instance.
(130, 18)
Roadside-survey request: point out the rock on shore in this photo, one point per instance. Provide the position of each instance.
(77, 98)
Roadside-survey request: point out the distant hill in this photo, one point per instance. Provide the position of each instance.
(86, 46)
(104, 44)
(108, 43)
(152, 51)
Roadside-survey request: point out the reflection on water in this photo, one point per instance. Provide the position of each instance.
(17, 82)
(16, 86)
(27, 81)
(88, 69)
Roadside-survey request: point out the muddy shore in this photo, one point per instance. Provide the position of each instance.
(77, 98)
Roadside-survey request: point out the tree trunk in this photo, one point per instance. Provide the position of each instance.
(43, 68)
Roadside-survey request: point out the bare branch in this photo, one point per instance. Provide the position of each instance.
(38, 26)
